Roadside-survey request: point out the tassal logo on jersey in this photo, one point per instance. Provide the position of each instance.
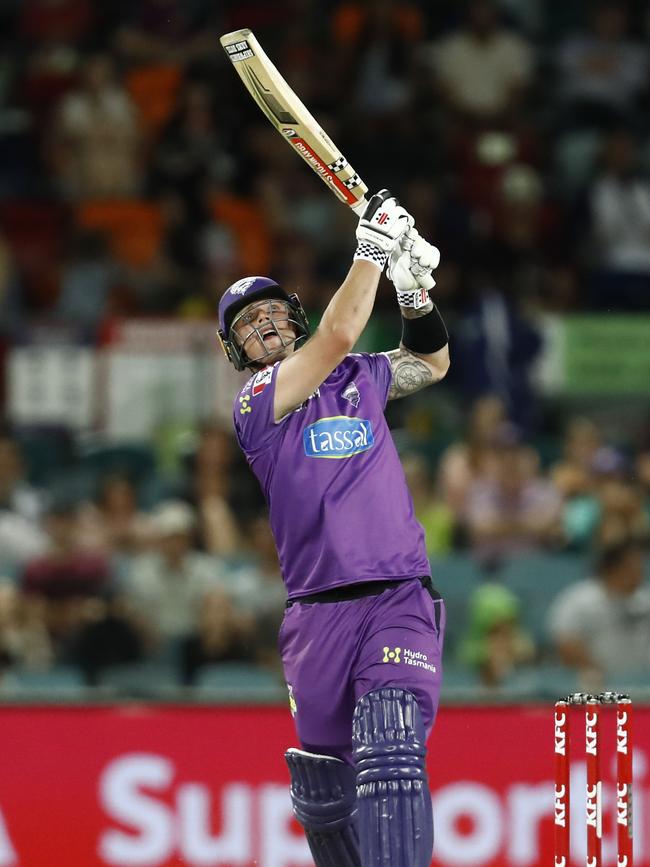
(338, 437)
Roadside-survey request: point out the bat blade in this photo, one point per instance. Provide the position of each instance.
(292, 119)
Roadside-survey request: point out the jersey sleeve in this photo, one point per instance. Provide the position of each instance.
(253, 413)
(378, 366)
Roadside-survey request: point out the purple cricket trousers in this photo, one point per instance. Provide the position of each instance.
(335, 652)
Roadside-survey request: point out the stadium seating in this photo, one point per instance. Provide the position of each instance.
(239, 681)
(249, 227)
(133, 459)
(62, 681)
(134, 228)
(151, 679)
(537, 579)
(544, 681)
(456, 577)
(48, 452)
(154, 89)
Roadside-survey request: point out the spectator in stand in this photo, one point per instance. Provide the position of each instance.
(210, 490)
(95, 138)
(192, 146)
(67, 582)
(174, 272)
(16, 494)
(472, 459)
(108, 637)
(55, 22)
(601, 626)
(12, 312)
(257, 590)
(219, 635)
(50, 36)
(572, 477)
(602, 504)
(618, 216)
(620, 508)
(498, 342)
(167, 587)
(21, 506)
(168, 32)
(602, 72)
(440, 213)
(87, 278)
(483, 70)
(24, 641)
(297, 253)
(495, 643)
(582, 439)
(114, 523)
(436, 517)
(243, 622)
(378, 42)
(522, 227)
(515, 511)
(643, 477)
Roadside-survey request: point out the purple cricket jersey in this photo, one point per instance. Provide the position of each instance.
(340, 508)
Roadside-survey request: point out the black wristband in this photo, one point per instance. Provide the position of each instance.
(425, 334)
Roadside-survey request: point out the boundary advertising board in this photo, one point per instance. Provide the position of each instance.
(164, 786)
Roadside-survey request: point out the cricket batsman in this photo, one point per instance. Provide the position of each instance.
(362, 635)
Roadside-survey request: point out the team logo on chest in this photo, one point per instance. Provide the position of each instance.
(261, 380)
(351, 393)
(337, 437)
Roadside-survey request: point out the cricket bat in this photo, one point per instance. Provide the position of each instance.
(292, 119)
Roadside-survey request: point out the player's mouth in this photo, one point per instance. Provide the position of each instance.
(267, 336)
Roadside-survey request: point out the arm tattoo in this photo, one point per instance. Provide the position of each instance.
(410, 313)
(410, 373)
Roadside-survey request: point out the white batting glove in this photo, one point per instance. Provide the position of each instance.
(380, 228)
(410, 267)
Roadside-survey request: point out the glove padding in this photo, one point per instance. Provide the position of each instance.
(410, 267)
(383, 222)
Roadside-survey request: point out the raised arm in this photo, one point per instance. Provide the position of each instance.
(345, 317)
(422, 357)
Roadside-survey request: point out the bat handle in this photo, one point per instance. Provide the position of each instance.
(360, 206)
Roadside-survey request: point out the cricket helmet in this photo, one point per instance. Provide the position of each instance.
(240, 295)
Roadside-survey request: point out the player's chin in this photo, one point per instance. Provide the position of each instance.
(279, 354)
(270, 354)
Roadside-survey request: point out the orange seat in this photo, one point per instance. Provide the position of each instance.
(134, 228)
(249, 227)
(351, 18)
(154, 89)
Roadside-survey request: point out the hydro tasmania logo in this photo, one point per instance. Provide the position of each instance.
(405, 656)
(337, 437)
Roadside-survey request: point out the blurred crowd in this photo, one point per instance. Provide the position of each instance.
(116, 567)
(138, 178)
(99, 580)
